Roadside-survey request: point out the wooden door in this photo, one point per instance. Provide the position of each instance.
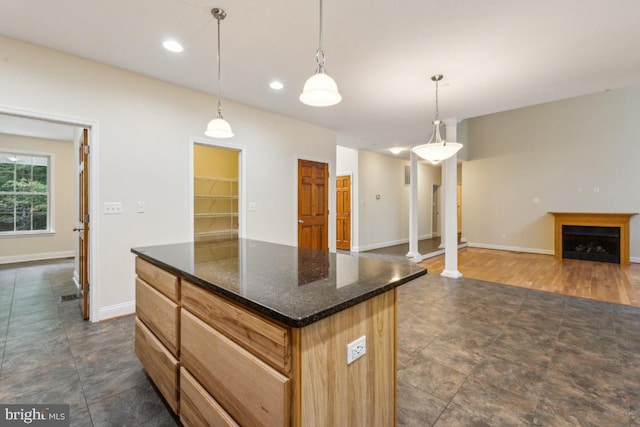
(313, 213)
(343, 212)
(83, 220)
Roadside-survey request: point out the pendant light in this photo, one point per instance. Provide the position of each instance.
(219, 127)
(437, 149)
(320, 90)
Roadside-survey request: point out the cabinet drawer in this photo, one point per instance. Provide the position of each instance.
(159, 313)
(160, 279)
(263, 338)
(197, 407)
(251, 391)
(161, 366)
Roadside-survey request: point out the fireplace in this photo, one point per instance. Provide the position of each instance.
(591, 243)
(592, 236)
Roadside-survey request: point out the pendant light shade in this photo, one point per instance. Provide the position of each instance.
(437, 149)
(320, 90)
(219, 127)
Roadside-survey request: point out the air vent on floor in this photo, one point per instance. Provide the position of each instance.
(64, 298)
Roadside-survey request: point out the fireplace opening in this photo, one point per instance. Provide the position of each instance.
(591, 243)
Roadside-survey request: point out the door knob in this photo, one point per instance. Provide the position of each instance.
(301, 221)
(77, 229)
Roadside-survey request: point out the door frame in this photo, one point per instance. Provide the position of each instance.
(93, 127)
(242, 170)
(350, 175)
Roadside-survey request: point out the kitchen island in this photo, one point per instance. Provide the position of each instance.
(252, 333)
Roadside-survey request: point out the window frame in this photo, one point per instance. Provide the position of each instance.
(49, 193)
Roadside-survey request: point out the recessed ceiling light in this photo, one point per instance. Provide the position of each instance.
(276, 85)
(396, 150)
(172, 46)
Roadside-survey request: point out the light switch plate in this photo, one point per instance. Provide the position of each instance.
(112, 208)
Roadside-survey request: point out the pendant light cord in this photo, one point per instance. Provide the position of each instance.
(437, 112)
(219, 96)
(320, 51)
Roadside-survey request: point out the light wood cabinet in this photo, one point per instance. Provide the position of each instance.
(159, 363)
(252, 392)
(363, 392)
(234, 366)
(159, 313)
(265, 339)
(163, 281)
(197, 407)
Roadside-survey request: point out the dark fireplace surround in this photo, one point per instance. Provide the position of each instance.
(594, 236)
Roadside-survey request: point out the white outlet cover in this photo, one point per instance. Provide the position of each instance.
(356, 349)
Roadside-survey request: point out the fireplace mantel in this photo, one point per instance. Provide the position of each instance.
(594, 219)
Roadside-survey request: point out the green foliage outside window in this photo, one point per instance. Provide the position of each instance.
(24, 193)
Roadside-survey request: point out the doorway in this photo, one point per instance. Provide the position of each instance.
(52, 127)
(215, 193)
(313, 198)
(435, 211)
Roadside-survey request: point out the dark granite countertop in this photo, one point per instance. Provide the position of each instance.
(294, 286)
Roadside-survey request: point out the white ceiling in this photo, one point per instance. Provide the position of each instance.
(495, 54)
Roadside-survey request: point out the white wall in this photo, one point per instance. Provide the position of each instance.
(145, 131)
(61, 242)
(385, 222)
(526, 162)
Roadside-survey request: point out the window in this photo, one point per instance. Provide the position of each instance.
(24, 193)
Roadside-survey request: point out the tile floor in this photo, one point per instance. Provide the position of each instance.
(470, 353)
(50, 355)
(474, 353)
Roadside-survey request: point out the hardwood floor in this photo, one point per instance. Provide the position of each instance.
(594, 280)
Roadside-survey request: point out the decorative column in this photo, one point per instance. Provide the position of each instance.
(413, 211)
(450, 178)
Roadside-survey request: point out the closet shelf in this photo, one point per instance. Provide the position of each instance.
(208, 178)
(205, 196)
(215, 233)
(216, 215)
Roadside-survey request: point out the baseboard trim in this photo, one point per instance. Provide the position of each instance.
(116, 310)
(387, 244)
(36, 257)
(634, 260)
(511, 248)
(441, 252)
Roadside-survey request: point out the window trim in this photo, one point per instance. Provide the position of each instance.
(50, 230)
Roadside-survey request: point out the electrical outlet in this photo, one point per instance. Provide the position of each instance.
(356, 349)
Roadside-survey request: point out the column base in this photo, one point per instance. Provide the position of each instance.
(415, 256)
(452, 274)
